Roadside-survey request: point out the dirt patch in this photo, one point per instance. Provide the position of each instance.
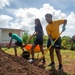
(70, 67)
(13, 65)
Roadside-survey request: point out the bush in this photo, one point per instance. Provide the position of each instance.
(73, 46)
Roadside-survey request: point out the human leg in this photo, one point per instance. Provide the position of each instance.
(32, 50)
(57, 49)
(32, 53)
(52, 57)
(59, 58)
(22, 49)
(51, 52)
(41, 48)
(20, 45)
(15, 50)
(58, 55)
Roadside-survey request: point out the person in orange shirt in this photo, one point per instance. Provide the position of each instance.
(52, 30)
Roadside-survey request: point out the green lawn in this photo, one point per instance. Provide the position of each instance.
(11, 51)
(66, 55)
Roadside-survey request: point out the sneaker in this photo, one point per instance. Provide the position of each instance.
(52, 64)
(31, 61)
(43, 62)
(60, 67)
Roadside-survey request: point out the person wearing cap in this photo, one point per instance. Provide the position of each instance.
(52, 30)
(17, 43)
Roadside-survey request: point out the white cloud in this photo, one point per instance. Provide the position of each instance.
(3, 3)
(25, 18)
(5, 20)
(70, 28)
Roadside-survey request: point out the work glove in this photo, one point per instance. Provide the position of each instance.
(63, 28)
(52, 42)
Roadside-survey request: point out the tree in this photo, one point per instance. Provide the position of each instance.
(25, 37)
(65, 42)
(72, 41)
(45, 39)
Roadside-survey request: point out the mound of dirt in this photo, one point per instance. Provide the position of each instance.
(14, 65)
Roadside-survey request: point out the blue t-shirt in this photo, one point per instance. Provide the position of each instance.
(16, 37)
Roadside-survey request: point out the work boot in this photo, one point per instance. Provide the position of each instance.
(43, 61)
(60, 67)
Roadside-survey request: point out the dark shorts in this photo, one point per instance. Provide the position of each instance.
(38, 42)
(18, 43)
(56, 45)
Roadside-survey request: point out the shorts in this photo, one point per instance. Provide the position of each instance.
(18, 43)
(38, 42)
(56, 45)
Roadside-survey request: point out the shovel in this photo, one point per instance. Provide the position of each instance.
(47, 50)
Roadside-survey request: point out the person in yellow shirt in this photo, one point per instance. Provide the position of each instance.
(52, 30)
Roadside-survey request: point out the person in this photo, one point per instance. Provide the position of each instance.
(52, 30)
(38, 41)
(17, 43)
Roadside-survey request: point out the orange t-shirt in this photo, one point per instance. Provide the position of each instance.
(53, 28)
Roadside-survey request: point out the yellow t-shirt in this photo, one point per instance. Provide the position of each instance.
(53, 28)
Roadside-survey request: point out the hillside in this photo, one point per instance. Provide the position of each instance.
(14, 65)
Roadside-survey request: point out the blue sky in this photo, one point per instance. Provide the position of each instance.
(21, 14)
(65, 6)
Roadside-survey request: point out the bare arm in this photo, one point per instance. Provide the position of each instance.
(34, 34)
(50, 37)
(10, 42)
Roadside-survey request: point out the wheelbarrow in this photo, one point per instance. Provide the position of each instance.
(27, 52)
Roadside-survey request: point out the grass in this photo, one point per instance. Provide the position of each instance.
(67, 56)
(11, 51)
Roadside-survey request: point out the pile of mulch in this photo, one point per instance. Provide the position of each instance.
(14, 65)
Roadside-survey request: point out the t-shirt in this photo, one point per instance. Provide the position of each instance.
(53, 28)
(16, 37)
(40, 32)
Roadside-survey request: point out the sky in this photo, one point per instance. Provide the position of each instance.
(20, 14)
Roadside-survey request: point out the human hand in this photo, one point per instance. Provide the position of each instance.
(8, 46)
(31, 37)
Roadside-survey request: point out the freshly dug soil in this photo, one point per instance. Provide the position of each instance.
(15, 65)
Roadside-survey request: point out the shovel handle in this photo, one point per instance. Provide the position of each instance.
(48, 49)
